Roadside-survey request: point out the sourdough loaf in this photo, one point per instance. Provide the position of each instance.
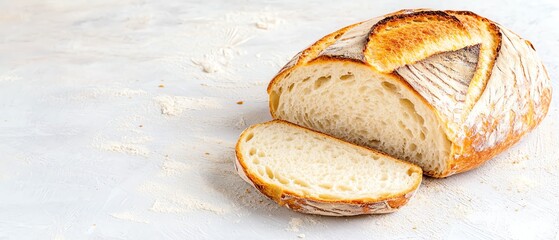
(446, 90)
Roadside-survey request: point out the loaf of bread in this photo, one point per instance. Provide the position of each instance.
(311, 172)
(446, 90)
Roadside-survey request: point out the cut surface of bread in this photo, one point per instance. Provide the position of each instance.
(353, 102)
(314, 173)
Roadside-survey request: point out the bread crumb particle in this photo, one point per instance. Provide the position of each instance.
(161, 86)
(240, 102)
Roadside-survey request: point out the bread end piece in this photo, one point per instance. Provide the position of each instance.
(319, 206)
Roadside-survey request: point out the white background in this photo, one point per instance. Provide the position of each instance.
(78, 78)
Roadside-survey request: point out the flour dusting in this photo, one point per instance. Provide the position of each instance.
(128, 148)
(207, 65)
(104, 93)
(241, 124)
(175, 105)
(179, 205)
(128, 216)
(133, 146)
(170, 199)
(174, 168)
(268, 21)
(295, 224)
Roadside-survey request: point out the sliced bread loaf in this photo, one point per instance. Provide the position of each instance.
(311, 172)
(446, 90)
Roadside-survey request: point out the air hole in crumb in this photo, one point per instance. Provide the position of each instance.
(409, 132)
(348, 76)
(287, 75)
(422, 136)
(325, 185)
(289, 139)
(252, 152)
(249, 137)
(281, 179)
(301, 183)
(413, 147)
(269, 172)
(290, 87)
(406, 103)
(419, 156)
(261, 154)
(389, 86)
(420, 118)
(274, 100)
(321, 81)
(378, 92)
(363, 89)
(256, 161)
(343, 188)
(410, 172)
(307, 79)
(384, 177)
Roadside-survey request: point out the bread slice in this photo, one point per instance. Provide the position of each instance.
(311, 172)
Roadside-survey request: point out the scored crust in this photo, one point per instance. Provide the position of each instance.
(508, 71)
(328, 207)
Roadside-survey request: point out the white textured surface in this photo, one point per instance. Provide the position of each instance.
(78, 78)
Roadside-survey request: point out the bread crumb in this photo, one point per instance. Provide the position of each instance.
(301, 235)
(161, 86)
(295, 224)
(207, 153)
(240, 102)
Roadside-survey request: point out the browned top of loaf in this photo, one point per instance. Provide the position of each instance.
(407, 38)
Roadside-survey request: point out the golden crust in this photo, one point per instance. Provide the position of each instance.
(313, 205)
(470, 145)
(404, 39)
